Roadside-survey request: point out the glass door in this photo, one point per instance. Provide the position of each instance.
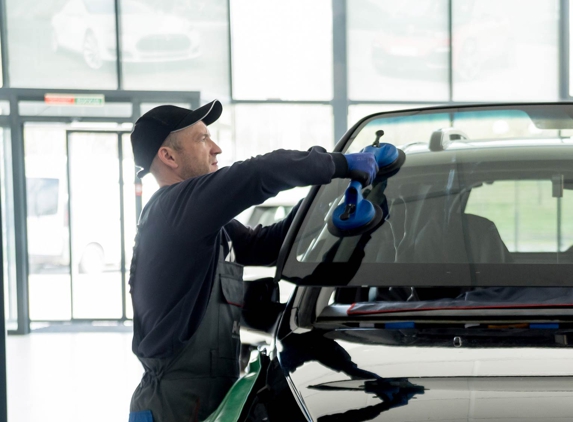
(49, 279)
(78, 255)
(95, 223)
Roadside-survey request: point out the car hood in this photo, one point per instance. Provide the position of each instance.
(143, 24)
(340, 380)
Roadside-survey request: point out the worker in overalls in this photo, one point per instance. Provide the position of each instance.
(186, 272)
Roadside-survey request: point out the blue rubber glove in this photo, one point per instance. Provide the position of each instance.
(362, 167)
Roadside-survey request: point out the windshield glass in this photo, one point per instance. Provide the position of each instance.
(485, 198)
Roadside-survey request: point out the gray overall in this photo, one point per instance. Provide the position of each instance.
(190, 385)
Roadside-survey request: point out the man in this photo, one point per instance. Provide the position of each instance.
(185, 277)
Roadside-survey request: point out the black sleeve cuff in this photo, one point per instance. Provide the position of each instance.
(340, 165)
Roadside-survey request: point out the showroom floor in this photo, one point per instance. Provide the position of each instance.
(71, 377)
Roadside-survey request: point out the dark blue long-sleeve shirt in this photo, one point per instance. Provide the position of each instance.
(178, 244)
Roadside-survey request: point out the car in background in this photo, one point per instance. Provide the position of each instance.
(88, 27)
(457, 306)
(482, 40)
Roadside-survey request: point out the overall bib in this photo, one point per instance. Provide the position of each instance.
(190, 385)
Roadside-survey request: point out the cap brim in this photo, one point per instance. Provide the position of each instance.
(142, 173)
(208, 114)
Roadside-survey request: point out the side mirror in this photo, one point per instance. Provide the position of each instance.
(261, 306)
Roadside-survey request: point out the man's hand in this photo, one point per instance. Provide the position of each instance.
(362, 167)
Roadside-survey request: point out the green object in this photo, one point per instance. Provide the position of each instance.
(232, 405)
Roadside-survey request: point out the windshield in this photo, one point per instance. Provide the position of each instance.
(485, 198)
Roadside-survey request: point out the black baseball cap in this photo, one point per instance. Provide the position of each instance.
(151, 129)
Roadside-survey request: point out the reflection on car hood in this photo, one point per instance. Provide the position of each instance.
(339, 380)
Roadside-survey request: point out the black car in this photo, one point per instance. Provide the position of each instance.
(457, 306)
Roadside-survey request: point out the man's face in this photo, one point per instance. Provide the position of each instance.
(197, 152)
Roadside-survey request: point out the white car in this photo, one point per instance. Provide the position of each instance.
(88, 27)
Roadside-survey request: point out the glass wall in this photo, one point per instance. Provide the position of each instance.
(262, 128)
(95, 230)
(176, 45)
(9, 236)
(48, 222)
(503, 50)
(75, 244)
(398, 50)
(248, 52)
(62, 43)
(1, 70)
(282, 50)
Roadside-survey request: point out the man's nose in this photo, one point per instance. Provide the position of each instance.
(216, 149)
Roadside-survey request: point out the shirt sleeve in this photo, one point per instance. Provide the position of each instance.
(201, 206)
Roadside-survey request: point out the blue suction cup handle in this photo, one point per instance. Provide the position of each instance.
(385, 154)
(355, 211)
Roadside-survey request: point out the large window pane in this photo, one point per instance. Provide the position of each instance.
(62, 43)
(48, 225)
(263, 128)
(1, 70)
(398, 50)
(8, 233)
(175, 45)
(282, 49)
(505, 50)
(95, 229)
(570, 49)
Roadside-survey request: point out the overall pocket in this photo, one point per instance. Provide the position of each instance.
(229, 326)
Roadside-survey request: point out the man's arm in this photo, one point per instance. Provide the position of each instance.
(261, 245)
(201, 206)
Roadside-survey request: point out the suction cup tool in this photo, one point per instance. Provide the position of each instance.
(388, 157)
(355, 215)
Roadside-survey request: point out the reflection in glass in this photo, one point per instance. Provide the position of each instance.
(317, 345)
(398, 50)
(72, 42)
(505, 51)
(175, 46)
(282, 50)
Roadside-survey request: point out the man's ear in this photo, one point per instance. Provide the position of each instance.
(167, 156)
